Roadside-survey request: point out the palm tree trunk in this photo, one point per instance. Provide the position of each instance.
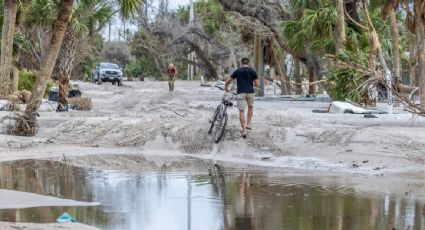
(412, 62)
(10, 10)
(63, 91)
(48, 63)
(376, 48)
(312, 86)
(15, 78)
(17, 56)
(340, 28)
(297, 77)
(65, 64)
(395, 44)
(420, 52)
(285, 84)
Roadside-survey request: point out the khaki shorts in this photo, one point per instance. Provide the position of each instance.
(245, 99)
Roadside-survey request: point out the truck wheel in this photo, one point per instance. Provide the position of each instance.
(113, 83)
(120, 83)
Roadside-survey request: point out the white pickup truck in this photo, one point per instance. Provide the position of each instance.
(107, 72)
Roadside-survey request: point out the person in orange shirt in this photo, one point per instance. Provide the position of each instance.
(171, 71)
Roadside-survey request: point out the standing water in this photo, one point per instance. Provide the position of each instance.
(235, 199)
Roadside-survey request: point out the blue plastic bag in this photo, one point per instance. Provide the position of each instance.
(65, 217)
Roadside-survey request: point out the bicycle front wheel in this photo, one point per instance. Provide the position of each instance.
(221, 126)
(214, 118)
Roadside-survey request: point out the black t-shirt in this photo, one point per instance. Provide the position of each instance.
(245, 77)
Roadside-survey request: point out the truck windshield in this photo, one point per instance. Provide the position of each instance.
(109, 66)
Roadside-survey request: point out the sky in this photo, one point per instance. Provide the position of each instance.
(174, 4)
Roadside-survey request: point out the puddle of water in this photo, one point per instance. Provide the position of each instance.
(188, 200)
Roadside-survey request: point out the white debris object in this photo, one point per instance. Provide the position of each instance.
(345, 107)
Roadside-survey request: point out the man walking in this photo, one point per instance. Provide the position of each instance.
(246, 78)
(171, 71)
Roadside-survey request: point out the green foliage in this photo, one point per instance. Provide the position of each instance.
(135, 68)
(346, 79)
(90, 16)
(383, 28)
(19, 41)
(129, 8)
(141, 66)
(183, 14)
(295, 35)
(41, 13)
(345, 83)
(313, 31)
(26, 80)
(87, 65)
(50, 84)
(211, 14)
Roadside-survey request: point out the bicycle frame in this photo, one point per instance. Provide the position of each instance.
(220, 117)
(225, 103)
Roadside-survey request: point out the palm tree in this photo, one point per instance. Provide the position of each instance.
(87, 20)
(313, 29)
(18, 44)
(419, 14)
(127, 8)
(340, 35)
(8, 30)
(389, 10)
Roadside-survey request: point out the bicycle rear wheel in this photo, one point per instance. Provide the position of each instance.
(219, 131)
(214, 118)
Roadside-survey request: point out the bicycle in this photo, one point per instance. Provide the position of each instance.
(220, 117)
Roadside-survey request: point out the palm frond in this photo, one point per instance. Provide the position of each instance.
(129, 7)
(295, 34)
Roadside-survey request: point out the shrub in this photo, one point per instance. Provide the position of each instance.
(80, 103)
(27, 81)
(345, 83)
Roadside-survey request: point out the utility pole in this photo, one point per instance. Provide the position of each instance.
(124, 38)
(191, 57)
(109, 32)
(261, 72)
(259, 62)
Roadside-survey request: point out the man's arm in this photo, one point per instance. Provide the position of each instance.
(227, 83)
(256, 83)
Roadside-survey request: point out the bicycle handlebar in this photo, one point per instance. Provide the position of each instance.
(221, 88)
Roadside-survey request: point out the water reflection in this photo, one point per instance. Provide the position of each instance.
(242, 200)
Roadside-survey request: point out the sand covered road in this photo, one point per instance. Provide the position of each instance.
(141, 125)
(144, 118)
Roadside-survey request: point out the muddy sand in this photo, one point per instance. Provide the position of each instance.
(143, 119)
